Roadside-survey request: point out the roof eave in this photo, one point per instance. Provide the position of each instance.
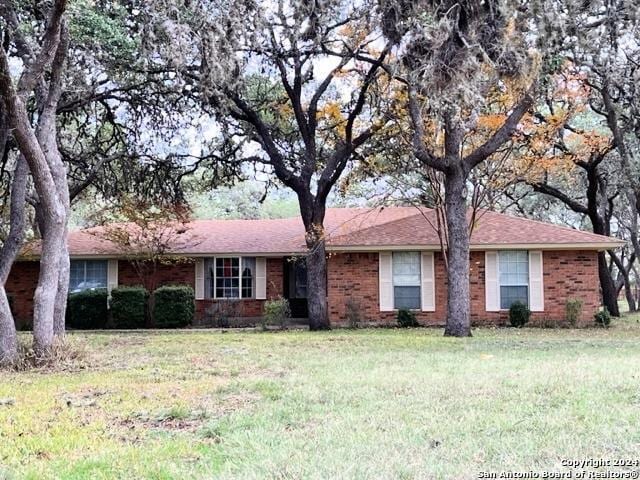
(599, 246)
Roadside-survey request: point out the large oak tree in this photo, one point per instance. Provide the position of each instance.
(289, 83)
(454, 56)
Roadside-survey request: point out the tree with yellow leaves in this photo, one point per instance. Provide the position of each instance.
(454, 58)
(566, 152)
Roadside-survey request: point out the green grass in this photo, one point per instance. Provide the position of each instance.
(379, 404)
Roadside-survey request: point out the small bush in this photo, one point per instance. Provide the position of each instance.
(353, 313)
(222, 314)
(406, 318)
(276, 312)
(519, 314)
(603, 317)
(548, 322)
(573, 311)
(87, 310)
(128, 307)
(174, 306)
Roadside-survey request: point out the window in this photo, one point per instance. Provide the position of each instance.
(406, 280)
(514, 277)
(87, 274)
(248, 276)
(230, 277)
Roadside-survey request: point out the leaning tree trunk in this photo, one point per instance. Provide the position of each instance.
(458, 298)
(8, 336)
(317, 282)
(628, 293)
(609, 293)
(8, 253)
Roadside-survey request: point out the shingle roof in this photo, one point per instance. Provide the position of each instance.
(490, 229)
(349, 228)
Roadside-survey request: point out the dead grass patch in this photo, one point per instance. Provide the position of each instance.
(66, 355)
(180, 418)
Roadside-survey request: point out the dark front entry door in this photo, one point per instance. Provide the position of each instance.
(295, 286)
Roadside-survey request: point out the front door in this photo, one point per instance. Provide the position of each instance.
(295, 286)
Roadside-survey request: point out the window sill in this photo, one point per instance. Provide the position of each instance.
(229, 299)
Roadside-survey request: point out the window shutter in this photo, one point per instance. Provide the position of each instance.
(428, 293)
(261, 278)
(199, 290)
(385, 272)
(536, 287)
(491, 284)
(112, 274)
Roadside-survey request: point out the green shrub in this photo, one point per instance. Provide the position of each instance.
(519, 314)
(276, 312)
(353, 312)
(573, 311)
(129, 307)
(603, 317)
(406, 318)
(173, 307)
(87, 310)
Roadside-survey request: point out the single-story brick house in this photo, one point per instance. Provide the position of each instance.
(380, 260)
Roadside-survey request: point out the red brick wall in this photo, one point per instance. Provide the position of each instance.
(24, 277)
(179, 273)
(567, 274)
(184, 273)
(21, 285)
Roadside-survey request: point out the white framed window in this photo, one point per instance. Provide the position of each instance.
(87, 275)
(513, 277)
(406, 280)
(248, 277)
(230, 277)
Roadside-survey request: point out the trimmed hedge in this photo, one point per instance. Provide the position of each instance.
(87, 310)
(173, 306)
(129, 307)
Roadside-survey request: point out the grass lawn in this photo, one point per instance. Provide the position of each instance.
(381, 404)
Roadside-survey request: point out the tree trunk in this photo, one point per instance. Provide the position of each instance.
(458, 298)
(44, 300)
(8, 253)
(59, 172)
(609, 296)
(8, 336)
(55, 231)
(60, 310)
(628, 293)
(317, 284)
